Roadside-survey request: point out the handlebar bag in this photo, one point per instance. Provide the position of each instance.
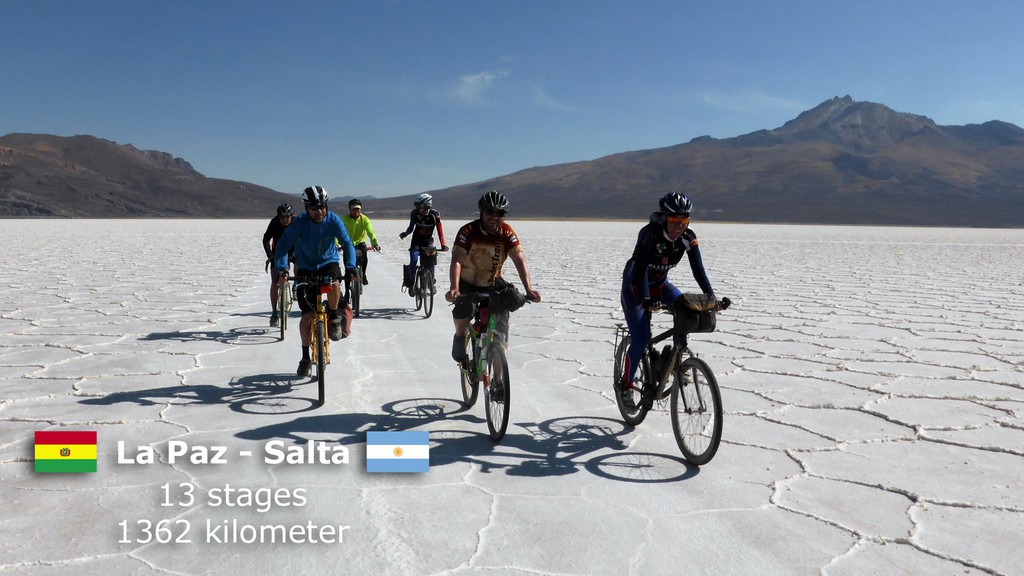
(505, 297)
(695, 313)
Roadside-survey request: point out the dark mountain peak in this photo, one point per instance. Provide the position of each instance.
(57, 176)
(857, 125)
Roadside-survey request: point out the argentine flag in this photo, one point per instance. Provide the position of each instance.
(397, 451)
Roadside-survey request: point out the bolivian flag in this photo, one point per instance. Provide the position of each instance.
(70, 451)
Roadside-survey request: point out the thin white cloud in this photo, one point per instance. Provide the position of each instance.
(751, 102)
(470, 88)
(544, 100)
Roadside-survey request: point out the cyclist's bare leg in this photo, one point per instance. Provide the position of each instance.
(307, 318)
(275, 282)
(335, 296)
(462, 326)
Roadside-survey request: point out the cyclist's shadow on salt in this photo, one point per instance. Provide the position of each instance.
(556, 447)
(569, 445)
(248, 335)
(350, 428)
(260, 394)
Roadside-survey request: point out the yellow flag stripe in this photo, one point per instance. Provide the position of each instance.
(74, 452)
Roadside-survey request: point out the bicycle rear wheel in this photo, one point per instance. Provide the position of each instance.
(496, 392)
(696, 408)
(470, 379)
(321, 359)
(427, 291)
(635, 414)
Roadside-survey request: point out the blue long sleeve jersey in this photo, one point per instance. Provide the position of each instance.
(654, 255)
(314, 244)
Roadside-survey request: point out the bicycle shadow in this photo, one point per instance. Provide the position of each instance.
(266, 394)
(349, 428)
(390, 313)
(557, 447)
(243, 336)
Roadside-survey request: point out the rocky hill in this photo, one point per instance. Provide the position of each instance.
(87, 177)
(842, 162)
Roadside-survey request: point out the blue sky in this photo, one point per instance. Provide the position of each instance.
(395, 97)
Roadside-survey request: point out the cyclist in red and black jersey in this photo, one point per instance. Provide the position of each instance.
(480, 250)
(660, 246)
(270, 238)
(422, 222)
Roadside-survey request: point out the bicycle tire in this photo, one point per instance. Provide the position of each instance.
(631, 415)
(354, 292)
(427, 290)
(321, 359)
(417, 284)
(497, 410)
(283, 305)
(696, 409)
(470, 380)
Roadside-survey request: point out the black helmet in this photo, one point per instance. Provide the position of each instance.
(354, 203)
(675, 204)
(314, 196)
(493, 200)
(284, 210)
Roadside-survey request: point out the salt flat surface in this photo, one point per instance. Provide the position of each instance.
(872, 380)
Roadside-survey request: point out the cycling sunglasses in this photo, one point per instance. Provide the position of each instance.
(677, 219)
(492, 212)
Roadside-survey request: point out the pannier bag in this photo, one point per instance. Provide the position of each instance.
(695, 313)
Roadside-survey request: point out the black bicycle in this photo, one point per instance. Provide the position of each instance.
(676, 374)
(423, 285)
(353, 290)
(284, 304)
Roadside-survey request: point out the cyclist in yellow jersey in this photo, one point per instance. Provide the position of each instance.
(359, 230)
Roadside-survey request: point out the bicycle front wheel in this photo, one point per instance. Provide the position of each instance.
(427, 291)
(470, 380)
(696, 408)
(354, 292)
(496, 392)
(417, 287)
(633, 410)
(321, 359)
(284, 305)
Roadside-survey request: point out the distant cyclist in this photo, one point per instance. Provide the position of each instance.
(270, 238)
(480, 250)
(422, 221)
(660, 245)
(359, 230)
(313, 237)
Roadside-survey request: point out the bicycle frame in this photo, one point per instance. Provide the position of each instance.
(679, 347)
(488, 365)
(320, 344)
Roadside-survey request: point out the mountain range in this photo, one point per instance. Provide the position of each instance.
(88, 177)
(841, 162)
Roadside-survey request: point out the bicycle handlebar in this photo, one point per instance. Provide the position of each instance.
(723, 304)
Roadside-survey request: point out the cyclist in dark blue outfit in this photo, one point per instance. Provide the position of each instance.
(660, 246)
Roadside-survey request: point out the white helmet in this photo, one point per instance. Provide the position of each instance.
(424, 200)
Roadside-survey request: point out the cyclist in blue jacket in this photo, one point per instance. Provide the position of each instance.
(660, 246)
(311, 236)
